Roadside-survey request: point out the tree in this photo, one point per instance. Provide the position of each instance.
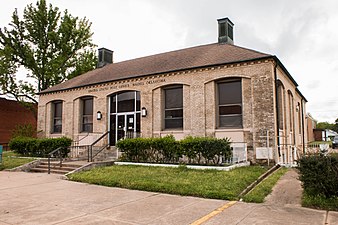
(52, 46)
(327, 125)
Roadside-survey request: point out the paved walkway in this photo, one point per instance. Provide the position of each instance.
(31, 198)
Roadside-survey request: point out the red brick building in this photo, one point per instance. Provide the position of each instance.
(12, 114)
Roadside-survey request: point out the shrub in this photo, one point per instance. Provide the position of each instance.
(135, 149)
(39, 147)
(24, 130)
(167, 150)
(206, 148)
(319, 175)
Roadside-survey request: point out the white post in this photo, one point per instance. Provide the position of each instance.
(267, 146)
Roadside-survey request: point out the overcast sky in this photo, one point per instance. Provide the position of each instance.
(303, 34)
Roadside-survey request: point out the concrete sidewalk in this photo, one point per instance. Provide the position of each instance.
(31, 198)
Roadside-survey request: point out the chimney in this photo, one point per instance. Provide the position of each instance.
(225, 31)
(105, 57)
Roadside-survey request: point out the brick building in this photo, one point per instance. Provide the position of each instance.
(12, 114)
(218, 90)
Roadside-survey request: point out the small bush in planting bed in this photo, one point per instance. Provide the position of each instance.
(194, 150)
(39, 147)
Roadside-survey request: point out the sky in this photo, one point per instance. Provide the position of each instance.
(303, 34)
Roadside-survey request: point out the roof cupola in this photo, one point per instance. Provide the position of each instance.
(225, 31)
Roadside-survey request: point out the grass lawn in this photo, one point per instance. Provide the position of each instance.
(320, 202)
(182, 181)
(262, 190)
(10, 160)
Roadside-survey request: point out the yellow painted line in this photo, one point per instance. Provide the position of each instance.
(213, 213)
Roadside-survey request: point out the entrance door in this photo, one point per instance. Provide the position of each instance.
(125, 116)
(121, 126)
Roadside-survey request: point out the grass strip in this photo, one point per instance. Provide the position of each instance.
(264, 188)
(11, 160)
(320, 202)
(182, 181)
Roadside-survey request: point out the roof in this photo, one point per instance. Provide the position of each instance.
(189, 58)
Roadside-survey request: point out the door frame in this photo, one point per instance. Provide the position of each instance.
(125, 114)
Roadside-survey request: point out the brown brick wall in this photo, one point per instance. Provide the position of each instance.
(11, 115)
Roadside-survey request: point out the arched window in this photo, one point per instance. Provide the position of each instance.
(291, 110)
(281, 105)
(229, 97)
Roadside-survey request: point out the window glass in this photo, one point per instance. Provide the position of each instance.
(126, 101)
(230, 92)
(138, 101)
(57, 117)
(230, 104)
(88, 106)
(280, 96)
(87, 114)
(173, 112)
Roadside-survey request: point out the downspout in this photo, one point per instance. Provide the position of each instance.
(276, 99)
(303, 136)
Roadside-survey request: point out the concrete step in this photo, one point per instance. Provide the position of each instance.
(67, 166)
(44, 170)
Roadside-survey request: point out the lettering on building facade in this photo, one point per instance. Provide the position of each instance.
(127, 85)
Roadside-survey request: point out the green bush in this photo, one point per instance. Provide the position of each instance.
(208, 149)
(319, 175)
(196, 150)
(24, 130)
(39, 147)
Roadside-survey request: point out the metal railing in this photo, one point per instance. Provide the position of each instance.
(90, 149)
(132, 134)
(239, 153)
(51, 154)
(77, 143)
(78, 151)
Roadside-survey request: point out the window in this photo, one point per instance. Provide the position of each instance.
(291, 110)
(281, 105)
(126, 102)
(57, 117)
(87, 114)
(173, 107)
(230, 104)
(299, 118)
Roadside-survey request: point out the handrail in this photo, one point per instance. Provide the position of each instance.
(100, 151)
(90, 150)
(78, 141)
(51, 154)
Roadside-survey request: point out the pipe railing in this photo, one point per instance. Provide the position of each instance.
(90, 147)
(51, 154)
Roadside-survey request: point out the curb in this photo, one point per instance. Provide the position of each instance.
(256, 182)
(88, 166)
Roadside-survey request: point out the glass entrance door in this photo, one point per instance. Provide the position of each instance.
(121, 126)
(125, 116)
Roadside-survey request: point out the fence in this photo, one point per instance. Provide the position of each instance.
(239, 153)
(289, 154)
